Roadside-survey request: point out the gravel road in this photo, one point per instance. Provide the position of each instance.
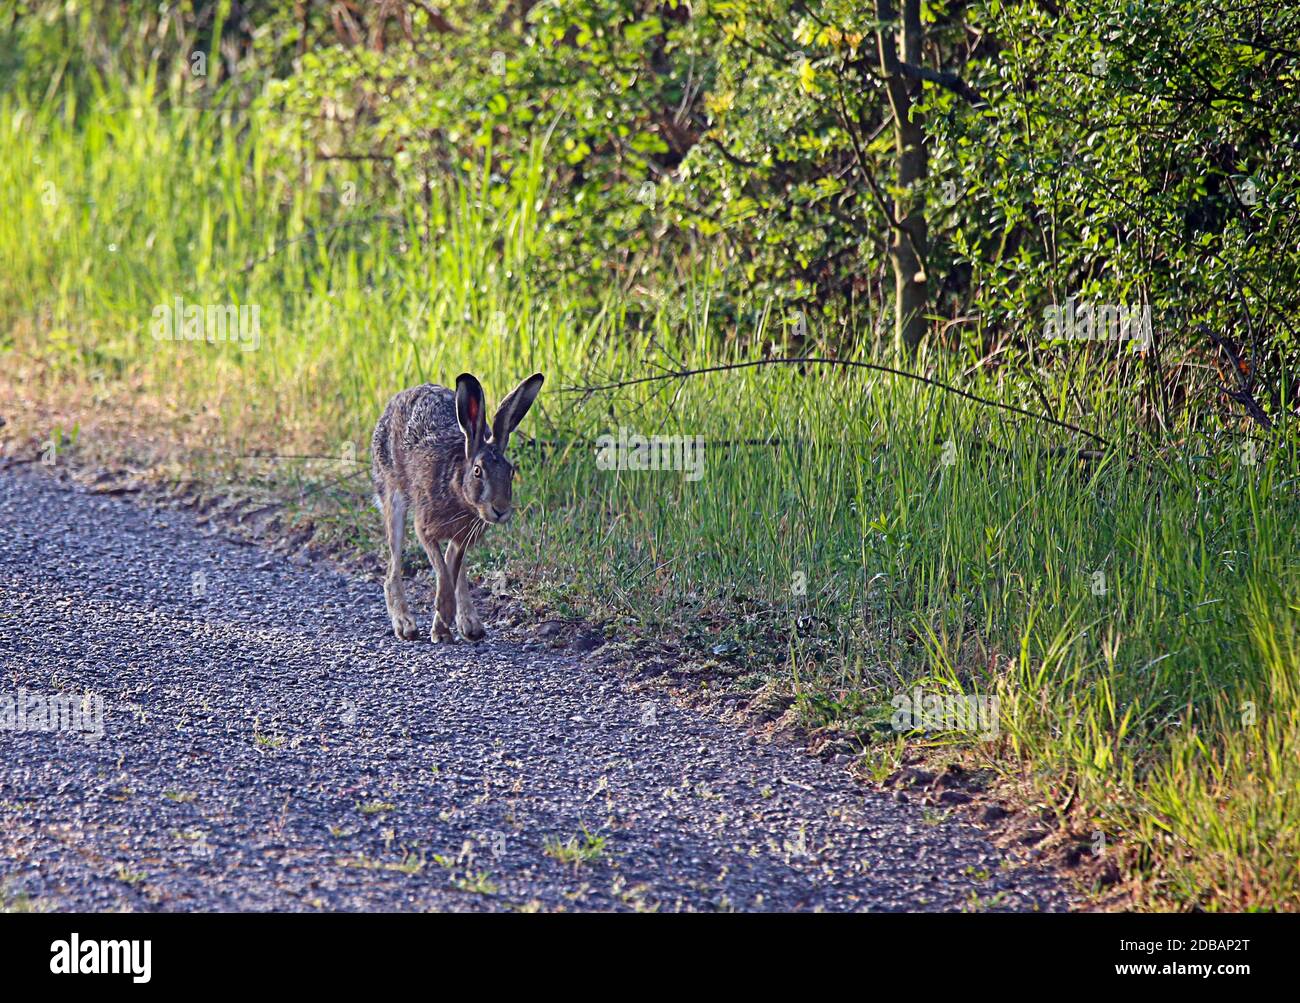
(267, 744)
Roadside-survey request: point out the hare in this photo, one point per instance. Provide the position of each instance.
(433, 453)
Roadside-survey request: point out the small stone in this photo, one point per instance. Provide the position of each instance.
(910, 778)
(586, 642)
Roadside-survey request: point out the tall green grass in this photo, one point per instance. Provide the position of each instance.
(1138, 617)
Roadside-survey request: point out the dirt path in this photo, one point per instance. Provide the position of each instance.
(268, 744)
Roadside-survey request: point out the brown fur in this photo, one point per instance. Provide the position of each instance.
(434, 455)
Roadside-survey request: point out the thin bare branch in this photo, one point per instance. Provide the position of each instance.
(847, 364)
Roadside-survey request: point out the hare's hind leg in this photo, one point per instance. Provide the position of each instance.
(445, 603)
(467, 621)
(394, 508)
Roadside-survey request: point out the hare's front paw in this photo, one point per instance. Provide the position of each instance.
(441, 633)
(404, 626)
(470, 627)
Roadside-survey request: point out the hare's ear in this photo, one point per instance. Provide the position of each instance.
(470, 412)
(513, 408)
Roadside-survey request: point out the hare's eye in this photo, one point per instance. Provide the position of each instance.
(478, 471)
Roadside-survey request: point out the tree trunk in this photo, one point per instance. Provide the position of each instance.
(908, 241)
